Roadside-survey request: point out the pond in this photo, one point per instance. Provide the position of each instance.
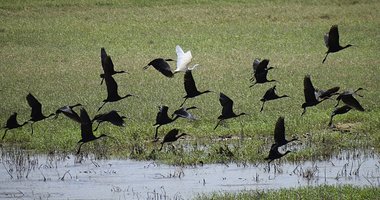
(72, 177)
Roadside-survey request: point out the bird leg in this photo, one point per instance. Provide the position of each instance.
(97, 126)
(31, 126)
(80, 147)
(262, 106)
(102, 106)
(183, 102)
(162, 145)
(304, 110)
(156, 133)
(325, 57)
(337, 103)
(4, 134)
(253, 84)
(218, 123)
(330, 122)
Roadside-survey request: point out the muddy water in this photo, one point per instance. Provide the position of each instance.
(70, 177)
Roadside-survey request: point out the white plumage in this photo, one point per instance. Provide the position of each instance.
(183, 60)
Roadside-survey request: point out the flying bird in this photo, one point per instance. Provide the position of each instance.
(338, 111)
(269, 95)
(113, 117)
(112, 93)
(260, 72)
(12, 124)
(227, 109)
(183, 60)
(162, 118)
(275, 154)
(348, 98)
(312, 98)
(69, 112)
(332, 41)
(190, 88)
(182, 112)
(279, 133)
(162, 66)
(107, 65)
(171, 136)
(36, 114)
(86, 130)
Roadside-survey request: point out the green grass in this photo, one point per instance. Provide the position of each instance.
(52, 49)
(315, 192)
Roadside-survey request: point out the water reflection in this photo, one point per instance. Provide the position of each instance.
(71, 177)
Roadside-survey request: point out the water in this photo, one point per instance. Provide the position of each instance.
(70, 177)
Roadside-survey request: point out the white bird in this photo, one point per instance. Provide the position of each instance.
(183, 60)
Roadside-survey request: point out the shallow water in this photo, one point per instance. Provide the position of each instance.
(67, 177)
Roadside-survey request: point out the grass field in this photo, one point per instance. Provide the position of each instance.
(52, 49)
(319, 192)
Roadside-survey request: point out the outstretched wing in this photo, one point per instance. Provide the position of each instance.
(189, 83)
(111, 88)
(333, 38)
(183, 59)
(309, 90)
(226, 103)
(86, 125)
(279, 130)
(35, 105)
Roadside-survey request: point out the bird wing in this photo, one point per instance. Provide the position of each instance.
(189, 83)
(270, 93)
(182, 112)
(309, 90)
(115, 118)
(262, 66)
(111, 87)
(107, 63)
(162, 114)
(255, 63)
(352, 102)
(333, 38)
(69, 112)
(326, 39)
(35, 105)
(162, 66)
(183, 59)
(324, 94)
(12, 120)
(226, 103)
(86, 125)
(171, 135)
(279, 130)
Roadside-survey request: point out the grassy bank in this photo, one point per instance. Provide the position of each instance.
(52, 48)
(319, 192)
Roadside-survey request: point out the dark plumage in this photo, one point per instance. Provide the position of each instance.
(182, 112)
(326, 94)
(107, 65)
(112, 94)
(113, 117)
(86, 129)
(260, 71)
(227, 110)
(279, 133)
(190, 88)
(338, 111)
(69, 112)
(162, 118)
(171, 136)
(162, 66)
(274, 153)
(332, 41)
(349, 99)
(312, 98)
(269, 95)
(12, 124)
(36, 114)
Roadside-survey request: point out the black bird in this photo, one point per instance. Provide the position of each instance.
(162, 66)
(36, 114)
(113, 117)
(279, 133)
(69, 112)
(190, 88)
(269, 95)
(332, 41)
(112, 94)
(86, 129)
(107, 65)
(162, 118)
(182, 112)
(311, 96)
(338, 111)
(12, 124)
(171, 136)
(260, 71)
(227, 110)
(349, 99)
(274, 153)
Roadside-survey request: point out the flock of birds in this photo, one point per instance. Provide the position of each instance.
(312, 95)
